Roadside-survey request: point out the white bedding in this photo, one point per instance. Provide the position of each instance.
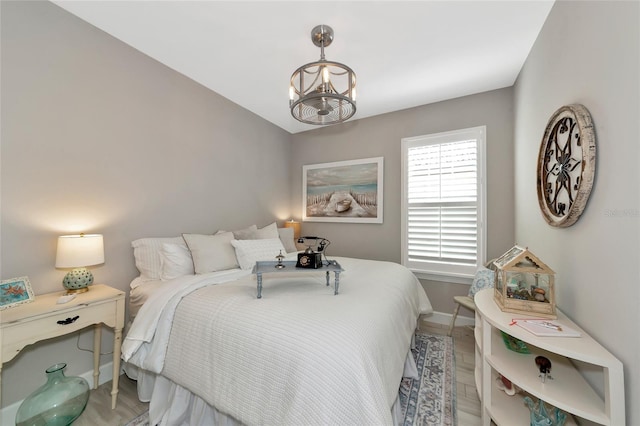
(299, 355)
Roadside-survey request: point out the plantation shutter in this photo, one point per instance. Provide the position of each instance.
(442, 199)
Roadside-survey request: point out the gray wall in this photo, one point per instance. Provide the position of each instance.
(380, 136)
(588, 53)
(97, 137)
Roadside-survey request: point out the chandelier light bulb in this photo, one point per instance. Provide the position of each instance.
(325, 75)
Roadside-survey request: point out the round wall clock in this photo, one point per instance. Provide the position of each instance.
(566, 165)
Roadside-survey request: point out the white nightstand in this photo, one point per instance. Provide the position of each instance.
(43, 319)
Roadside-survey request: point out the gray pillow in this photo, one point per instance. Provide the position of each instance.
(246, 233)
(211, 253)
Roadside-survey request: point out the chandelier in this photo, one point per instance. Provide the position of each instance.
(323, 92)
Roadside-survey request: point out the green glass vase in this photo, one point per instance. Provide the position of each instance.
(58, 402)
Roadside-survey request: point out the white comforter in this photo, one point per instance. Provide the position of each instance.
(298, 356)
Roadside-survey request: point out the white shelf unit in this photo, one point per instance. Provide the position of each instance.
(568, 390)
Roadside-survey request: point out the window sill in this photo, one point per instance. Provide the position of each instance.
(443, 278)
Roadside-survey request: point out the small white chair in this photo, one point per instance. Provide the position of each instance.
(467, 302)
(482, 279)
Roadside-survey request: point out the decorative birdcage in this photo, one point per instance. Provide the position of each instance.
(524, 284)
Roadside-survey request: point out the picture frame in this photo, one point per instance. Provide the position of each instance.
(15, 291)
(344, 191)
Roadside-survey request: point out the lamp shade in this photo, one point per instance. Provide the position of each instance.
(75, 251)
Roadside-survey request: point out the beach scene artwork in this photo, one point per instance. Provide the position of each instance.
(345, 191)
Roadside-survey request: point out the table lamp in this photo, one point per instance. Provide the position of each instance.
(78, 252)
(296, 228)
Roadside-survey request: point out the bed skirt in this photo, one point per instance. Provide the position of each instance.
(172, 405)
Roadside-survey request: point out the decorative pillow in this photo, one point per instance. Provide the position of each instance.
(211, 253)
(253, 233)
(249, 252)
(146, 252)
(176, 261)
(269, 231)
(286, 237)
(483, 279)
(246, 233)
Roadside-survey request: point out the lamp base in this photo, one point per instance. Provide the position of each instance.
(77, 290)
(77, 280)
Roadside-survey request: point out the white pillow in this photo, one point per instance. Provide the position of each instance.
(249, 252)
(176, 261)
(286, 236)
(211, 253)
(146, 252)
(269, 231)
(253, 233)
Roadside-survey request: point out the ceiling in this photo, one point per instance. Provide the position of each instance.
(405, 53)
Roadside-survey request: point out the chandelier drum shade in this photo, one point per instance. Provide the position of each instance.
(323, 92)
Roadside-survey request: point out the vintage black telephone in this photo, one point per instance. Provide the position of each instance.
(309, 258)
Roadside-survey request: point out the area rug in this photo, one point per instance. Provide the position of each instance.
(431, 399)
(427, 401)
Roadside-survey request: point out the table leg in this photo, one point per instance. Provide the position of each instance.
(337, 282)
(117, 341)
(259, 274)
(327, 278)
(97, 339)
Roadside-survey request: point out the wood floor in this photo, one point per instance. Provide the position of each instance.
(99, 413)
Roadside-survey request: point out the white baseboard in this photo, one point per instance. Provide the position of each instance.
(445, 319)
(8, 413)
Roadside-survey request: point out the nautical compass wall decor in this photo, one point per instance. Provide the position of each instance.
(566, 165)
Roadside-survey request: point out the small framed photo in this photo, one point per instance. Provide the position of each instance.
(15, 291)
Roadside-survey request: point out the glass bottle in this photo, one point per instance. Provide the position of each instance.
(540, 416)
(58, 402)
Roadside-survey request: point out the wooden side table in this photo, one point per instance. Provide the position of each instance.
(43, 319)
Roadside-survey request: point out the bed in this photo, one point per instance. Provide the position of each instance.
(205, 349)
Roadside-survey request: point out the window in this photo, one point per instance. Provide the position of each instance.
(443, 204)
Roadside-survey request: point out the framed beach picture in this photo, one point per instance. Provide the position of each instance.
(15, 291)
(343, 191)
